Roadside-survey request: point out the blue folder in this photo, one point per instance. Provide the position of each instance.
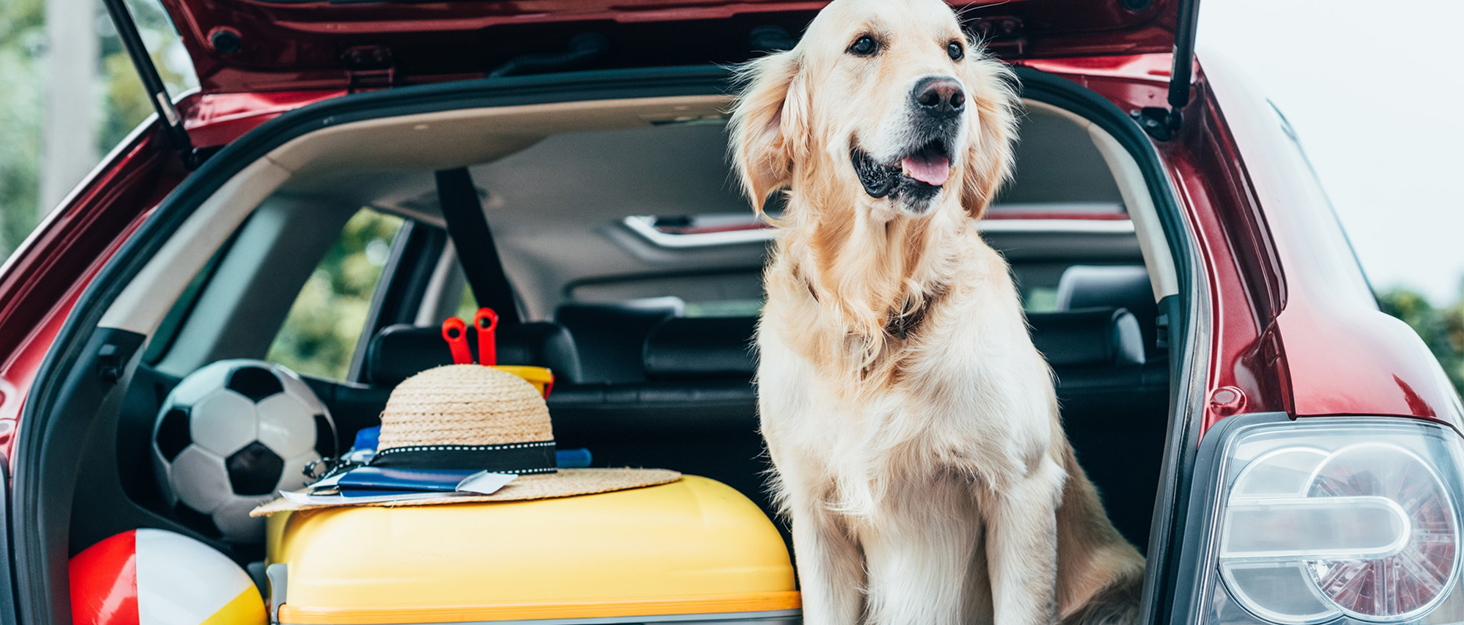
(377, 479)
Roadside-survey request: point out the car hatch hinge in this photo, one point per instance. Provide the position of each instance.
(1161, 123)
(1001, 33)
(1164, 123)
(368, 68)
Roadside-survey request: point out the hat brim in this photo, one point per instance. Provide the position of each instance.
(564, 483)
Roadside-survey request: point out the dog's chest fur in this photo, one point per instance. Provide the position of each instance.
(963, 397)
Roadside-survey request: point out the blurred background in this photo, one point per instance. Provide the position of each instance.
(1380, 122)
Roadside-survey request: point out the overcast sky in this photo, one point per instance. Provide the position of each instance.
(1376, 92)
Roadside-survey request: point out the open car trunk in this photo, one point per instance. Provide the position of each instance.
(627, 316)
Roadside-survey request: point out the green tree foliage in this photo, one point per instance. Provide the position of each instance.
(324, 325)
(1442, 329)
(124, 102)
(22, 93)
(121, 103)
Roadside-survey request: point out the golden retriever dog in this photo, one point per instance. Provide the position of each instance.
(913, 427)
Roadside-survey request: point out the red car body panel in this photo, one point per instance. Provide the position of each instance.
(1341, 355)
(215, 119)
(43, 278)
(291, 46)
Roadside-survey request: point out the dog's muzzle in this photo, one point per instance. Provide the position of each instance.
(916, 177)
(937, 108)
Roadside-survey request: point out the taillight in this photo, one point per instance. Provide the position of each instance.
(1414, 577)
(1347, 520)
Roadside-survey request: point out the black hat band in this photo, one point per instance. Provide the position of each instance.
(516, 458)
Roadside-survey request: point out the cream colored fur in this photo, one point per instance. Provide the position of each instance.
(927, 477)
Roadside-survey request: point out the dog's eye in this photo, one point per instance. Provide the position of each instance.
(956, 50)
(864, 46)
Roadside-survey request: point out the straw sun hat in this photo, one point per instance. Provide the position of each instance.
(479, 418)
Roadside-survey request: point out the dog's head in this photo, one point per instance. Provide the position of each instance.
(888, 97)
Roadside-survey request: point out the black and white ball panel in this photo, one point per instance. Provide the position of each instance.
(172, 433)
(254, 470)
(198, 478)
(230, 436)
(223, 422)
(256, 383)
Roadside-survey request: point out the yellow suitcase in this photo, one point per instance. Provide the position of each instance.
(692, 551)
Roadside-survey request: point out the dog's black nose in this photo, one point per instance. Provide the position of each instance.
(939, 97)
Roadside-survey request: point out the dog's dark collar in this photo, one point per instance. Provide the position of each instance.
(903, 325)
(899, 325)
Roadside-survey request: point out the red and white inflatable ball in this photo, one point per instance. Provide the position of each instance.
(156, 577)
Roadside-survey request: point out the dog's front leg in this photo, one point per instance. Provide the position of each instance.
(1021, 546)
(830, 569)
(920, 558)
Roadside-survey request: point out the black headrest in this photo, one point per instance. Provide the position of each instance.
(1100, 286)
(610, 336)
(722, 347)
(704, 347)
(1092, 337)
(1118, 286)
(400, 351)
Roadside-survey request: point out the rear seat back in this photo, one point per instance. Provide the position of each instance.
(1114, 406)
(711, 347)
(1092, 337)
(1116, 418)
(697, 411)
(400, 351)
(1116, 286)
(693, 407)
(609, 337)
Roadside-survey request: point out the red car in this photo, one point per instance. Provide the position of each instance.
(1281, 451)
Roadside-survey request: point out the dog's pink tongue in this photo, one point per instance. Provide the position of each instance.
(933, 171)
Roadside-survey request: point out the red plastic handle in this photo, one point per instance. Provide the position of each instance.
(455, 332)
(486, 321)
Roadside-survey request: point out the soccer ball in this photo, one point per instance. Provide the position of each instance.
(229, 437)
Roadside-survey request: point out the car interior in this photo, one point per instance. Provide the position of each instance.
(634, 264)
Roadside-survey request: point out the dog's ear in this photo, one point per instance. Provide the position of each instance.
(767, 122)
(993, 128)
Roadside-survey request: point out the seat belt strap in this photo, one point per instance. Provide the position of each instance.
(467, 226)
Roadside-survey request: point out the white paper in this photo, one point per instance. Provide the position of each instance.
(329, 482)
(485, 483)
(306, 499)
